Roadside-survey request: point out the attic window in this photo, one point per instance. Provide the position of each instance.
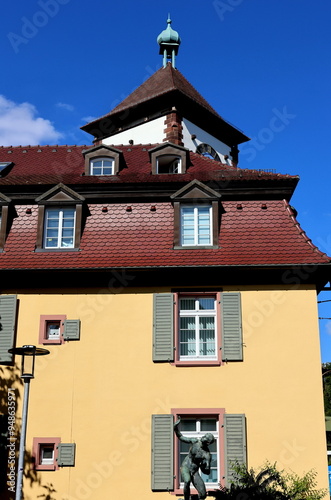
(6, 216)
(4, 167)
(168, 158)
(102, 166)
(169, 164)
(60, 214)
(102, 160)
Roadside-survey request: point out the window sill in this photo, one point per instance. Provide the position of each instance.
(51, 250)
(45, 467)
(180, 491)
(53, 341)
(211, 362)
(196, 247)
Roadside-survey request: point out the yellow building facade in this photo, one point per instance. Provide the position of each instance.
(101, 391)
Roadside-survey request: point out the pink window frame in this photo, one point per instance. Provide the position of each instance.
(37, 443)
(200, 362)
(200, 412)
(44, 318)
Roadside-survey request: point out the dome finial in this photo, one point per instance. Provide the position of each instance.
(169, 41)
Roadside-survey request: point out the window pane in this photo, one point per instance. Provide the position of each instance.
(208, 425)
(188, 425)
(53, 213)
(68, 243)
(51, 242)
(207, 336)
(207, 303)
(187, 337)
(187, 304)
(53, 330)
(68, 213)
(52, 233)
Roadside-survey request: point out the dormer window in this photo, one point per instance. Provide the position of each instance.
(102, 160)
(6, 217)
(196, 225)
(59, 231)
(5, 166)
(169, 158)
(102, 166)
(60, 223)
(169, 164)
(196, 216)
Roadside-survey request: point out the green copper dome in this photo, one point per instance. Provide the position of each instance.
(169, 41)
(168, 35)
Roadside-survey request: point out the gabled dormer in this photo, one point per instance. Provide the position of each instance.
(60, 216)
(196, 216)
(102, 160)
(169, 158)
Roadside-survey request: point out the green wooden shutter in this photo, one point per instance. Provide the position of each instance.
(162, 453)
(66, 454)
(163, 327)
(71, 329)
(234, 442)
(8, 305)
(232, 343)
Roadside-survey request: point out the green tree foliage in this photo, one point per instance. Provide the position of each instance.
(269, 484)
(326, 372)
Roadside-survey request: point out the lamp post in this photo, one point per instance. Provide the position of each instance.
(28, 353)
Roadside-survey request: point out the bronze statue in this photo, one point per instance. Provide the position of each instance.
(198, 457)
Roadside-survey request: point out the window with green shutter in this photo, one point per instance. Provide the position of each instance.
(8, 305)
(234, 443)
(163, 327)
(162, 453)
(66, 454)
(168, 452)
(202, 328)
(71, 329)
(232, 343)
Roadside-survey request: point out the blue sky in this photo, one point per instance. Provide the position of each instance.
(263, 65)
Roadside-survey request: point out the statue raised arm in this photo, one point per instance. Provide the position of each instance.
(198, 457)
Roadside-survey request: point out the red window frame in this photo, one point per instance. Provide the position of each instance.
(38, 442)
(198, 362)
(46, 318)
(218, 413)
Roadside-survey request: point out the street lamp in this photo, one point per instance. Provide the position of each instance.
(28, 353)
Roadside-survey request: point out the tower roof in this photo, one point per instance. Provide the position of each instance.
(165, 90)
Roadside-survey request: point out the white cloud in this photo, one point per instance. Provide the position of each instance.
(20, 125)
(328, 327)
(65, 106)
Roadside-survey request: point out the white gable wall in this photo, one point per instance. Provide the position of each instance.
(151, 132)
(202, 136)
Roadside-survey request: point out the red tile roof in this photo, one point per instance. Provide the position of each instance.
(50, 165)
(251, 233)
